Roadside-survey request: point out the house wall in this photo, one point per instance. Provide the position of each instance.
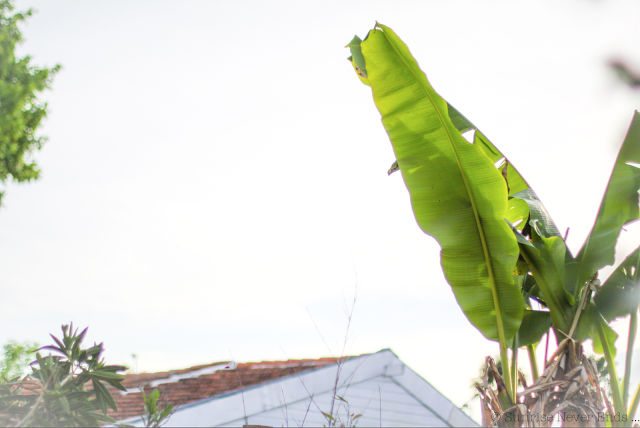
(379, 386)
(380, 400)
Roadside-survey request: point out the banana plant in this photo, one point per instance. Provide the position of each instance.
(500, 247)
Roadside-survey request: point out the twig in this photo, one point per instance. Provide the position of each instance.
(33, 409)
(555, 360)
(307, 412)
(341, 358)
(302, 382)
(367, 406)
(380, 395)
(344, 346)
(244, 408)
(585, 292)
(321, 336)
(546, 350)
(38, 401)
(285, 412)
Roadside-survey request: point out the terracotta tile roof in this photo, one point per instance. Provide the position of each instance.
(180, 387)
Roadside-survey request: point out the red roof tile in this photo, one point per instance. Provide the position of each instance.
(183, 390)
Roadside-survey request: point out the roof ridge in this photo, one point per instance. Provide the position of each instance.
(169, 373)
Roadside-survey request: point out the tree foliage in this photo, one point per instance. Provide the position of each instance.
(21, 112)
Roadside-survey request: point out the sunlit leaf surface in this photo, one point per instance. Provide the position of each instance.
(457, 194)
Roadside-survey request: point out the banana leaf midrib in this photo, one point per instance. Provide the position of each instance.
(481, 232)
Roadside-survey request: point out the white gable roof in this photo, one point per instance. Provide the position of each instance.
(379, 386)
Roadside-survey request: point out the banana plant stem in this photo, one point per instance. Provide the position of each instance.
(514, 373)
(505, 371)
(533, 362)
(634, 404)
(557, 314)
(618, 404)
(546, 351)
(633, 326)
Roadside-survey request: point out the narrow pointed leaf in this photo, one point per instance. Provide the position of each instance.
(457, 194)
(99, 417)
(100, 396)
(116, 384)
(619, 207)
(113, 368)
(620, 294)
(166, 412)
(58, 342)
(105, 395)
(50, 348)
(64, 403)
(107, 374)
(152, 402)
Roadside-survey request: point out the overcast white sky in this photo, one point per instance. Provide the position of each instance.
(216, 172)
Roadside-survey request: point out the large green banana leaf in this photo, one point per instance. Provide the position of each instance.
(620, 294)
(457, 194)
(524, 207)
(523, 202)
(619, 207)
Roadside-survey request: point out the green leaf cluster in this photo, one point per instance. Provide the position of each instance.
(20, 110)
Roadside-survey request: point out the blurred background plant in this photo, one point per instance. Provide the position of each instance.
(20, 110)
(156, 416)
(626, 73)
(66, 388)
(56, 392)
(16, 358)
